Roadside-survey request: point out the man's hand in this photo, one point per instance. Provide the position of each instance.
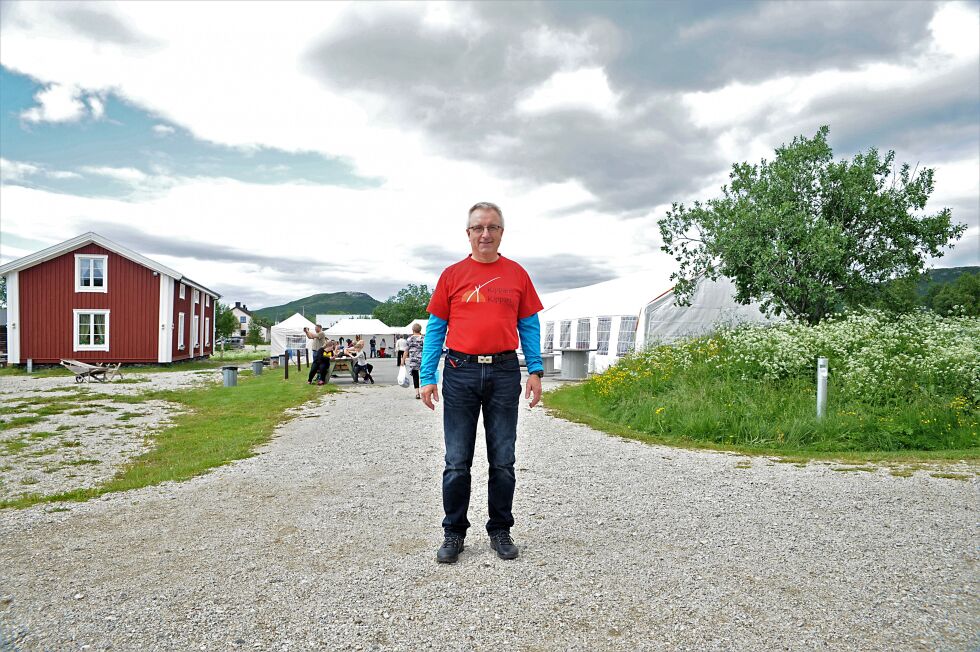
(533, 387)
(430, 393)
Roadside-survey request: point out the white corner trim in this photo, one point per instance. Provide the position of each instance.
(13, 318)
(166, 319)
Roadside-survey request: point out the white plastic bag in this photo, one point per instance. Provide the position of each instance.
(404, 378)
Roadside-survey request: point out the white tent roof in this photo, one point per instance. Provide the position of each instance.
(286, 334)
(626, 295)
(364, 327)
(422, 322)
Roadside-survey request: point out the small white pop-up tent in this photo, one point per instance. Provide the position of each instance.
(289, 334)
(420, 322)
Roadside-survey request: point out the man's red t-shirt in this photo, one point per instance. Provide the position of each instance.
(482, 303)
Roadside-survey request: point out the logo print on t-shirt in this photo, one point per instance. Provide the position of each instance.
(475, 294)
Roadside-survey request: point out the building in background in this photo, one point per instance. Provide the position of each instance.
(244, 318)
(93, 300)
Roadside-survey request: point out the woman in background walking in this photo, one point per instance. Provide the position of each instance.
(413, 355)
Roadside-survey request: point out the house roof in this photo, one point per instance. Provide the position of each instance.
(91, 237)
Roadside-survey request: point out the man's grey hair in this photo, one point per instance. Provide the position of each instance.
(485, 205)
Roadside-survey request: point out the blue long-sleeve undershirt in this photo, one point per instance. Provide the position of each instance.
(528, 329)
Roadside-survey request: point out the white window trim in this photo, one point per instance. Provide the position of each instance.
(90, 347)
(78, 273)
(207, 300)
(180, 330)
(183, 291)
(197, 296)
(207, 331)
(195, 324)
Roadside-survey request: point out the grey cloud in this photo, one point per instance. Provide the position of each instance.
(101, 26)
(150, 245)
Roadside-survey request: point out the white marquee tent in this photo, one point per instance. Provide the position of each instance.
(421, 322)
(289, 334)
(614, 317)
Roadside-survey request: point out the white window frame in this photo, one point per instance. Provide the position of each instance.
(196, 294)
(78, 273)
(180, 331)
(602, 335)
(627, 336)
(207, 331)
(580, 341)
(194, 332)
(565, 335)
(207, 300)
(78, 346)
(183, 291)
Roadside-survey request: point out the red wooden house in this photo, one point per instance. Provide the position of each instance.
(93, 300)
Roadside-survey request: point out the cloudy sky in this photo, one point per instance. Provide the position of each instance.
(271, 151)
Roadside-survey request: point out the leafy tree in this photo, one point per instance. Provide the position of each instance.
(253, 336)
(961, 297)
(3, 291)
(804, 234)
(225, 323)
(410, 303)
(899, 295)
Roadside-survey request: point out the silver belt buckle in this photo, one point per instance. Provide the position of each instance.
(484, 359)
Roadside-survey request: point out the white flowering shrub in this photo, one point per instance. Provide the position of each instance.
(873, 356)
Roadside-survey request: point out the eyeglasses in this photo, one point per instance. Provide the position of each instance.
(493, 229)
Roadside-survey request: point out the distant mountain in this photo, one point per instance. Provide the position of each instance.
(328, 303)
(941, 276)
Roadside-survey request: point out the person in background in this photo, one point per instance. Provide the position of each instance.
(400, 345)
(384, 345)
(413, 355)
(374, 349)
(362, 368)
(319, 343)
(485, 303)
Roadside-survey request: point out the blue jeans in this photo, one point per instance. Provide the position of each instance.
(468, 387)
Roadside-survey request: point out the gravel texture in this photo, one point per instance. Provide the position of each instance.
(327, 539)
(84, 446)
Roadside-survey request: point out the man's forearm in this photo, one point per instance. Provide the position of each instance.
(435, 337)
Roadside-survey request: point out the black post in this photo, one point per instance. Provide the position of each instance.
(307, 358)
(285, 359)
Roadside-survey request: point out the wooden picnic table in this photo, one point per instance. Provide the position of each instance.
(341, 363)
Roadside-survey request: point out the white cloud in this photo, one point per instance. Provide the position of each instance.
(16, 170)
(126, 175)
(96, 106)
(585, 89)
(163, 130)
(954, 30)
(57, 103)
(62, 174)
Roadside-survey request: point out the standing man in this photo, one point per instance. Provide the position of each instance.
(374, 347)
(487, 303)
(401, 345)
(319, 342)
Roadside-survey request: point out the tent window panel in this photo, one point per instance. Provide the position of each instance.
(549, 337)
(627, 334)
(604, 328)
(584, 334)
(566, 334)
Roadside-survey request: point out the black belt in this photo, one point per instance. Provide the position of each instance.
(489, 358)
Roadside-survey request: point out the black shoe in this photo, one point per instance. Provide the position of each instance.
(448, 553)
(503, 544)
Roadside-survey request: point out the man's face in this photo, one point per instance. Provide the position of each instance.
(485, 241)
(319, 328)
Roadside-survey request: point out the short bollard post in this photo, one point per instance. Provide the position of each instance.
(230, 374)
(822, 374)
(30, 365)
(256, 367)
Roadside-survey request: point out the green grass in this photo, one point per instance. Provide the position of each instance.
(700, 408)
(218, 425)
(18, 422)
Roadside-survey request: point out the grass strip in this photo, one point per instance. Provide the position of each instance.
(218, 425)
(702, 416)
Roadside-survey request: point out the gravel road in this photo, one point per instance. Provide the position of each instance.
(327, 539)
